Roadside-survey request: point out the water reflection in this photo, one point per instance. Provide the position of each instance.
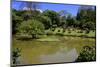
(64, 49)
(60, 56)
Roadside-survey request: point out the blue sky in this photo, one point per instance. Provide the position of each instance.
(73, 9)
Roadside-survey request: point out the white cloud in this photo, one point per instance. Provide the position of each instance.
(26, 8)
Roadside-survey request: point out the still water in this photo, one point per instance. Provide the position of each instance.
(53, 49)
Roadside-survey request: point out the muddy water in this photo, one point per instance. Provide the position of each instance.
(51, 50)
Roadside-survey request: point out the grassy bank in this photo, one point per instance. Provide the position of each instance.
(71, 32)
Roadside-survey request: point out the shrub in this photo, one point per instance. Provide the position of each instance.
(58, 30)
(73, 29)
(87, 31)
(93, 30)
(64, 30)
(31, 27)
(49, 33)
(87, 54)
(15, 55)
(69, 31)
(53, 29)
(80, 31)
(84, 36)
(60, 34)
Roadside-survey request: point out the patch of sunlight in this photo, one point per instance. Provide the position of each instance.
(48, 39)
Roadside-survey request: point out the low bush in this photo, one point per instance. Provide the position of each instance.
(53, 29)
(60, 34)
(15, 55)
(58, 30)
(69, 31)
(81, 31)
(64, 30)
(73, 29)
(87, 54)
(87, 31)
(49, 33)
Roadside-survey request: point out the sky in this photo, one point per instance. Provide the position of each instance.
(72, 9)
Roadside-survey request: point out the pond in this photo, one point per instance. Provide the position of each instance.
(51, 49)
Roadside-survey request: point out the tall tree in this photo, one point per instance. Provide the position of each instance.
(86, 14)
(16, 20)
(54, 16)
(30, 9)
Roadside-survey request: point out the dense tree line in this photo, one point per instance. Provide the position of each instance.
(34, 22)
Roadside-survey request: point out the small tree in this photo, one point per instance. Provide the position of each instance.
(31, 27)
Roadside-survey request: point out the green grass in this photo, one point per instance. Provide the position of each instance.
(75, 32)
(48, 39)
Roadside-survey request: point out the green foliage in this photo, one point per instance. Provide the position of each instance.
(60, 34)
(46, 21)
(87, 54)
(53, 29)
(49, 33)
(30, 14)
(31, 27)
(70, 21)
(87, 31)
(89, 25)
(69, 31)
(58, 30)
(87, 17)
(54, 16)
(16, 20)
(63, 21)
(35, 23)
(80, 31)
(15, 55)
(64, 30)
